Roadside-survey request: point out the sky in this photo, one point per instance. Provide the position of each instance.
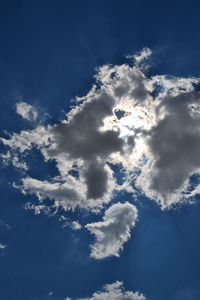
(99, 150)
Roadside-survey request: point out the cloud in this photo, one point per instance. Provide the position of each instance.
(113, 231)
(147, 124)
(2, 246)
(26, 111)
(174, 144)
(37, 209)
(76, 225)
(84, 143)
(70, 192)
(13, 158)
(141, 55)
(114, 291)
(63, 194)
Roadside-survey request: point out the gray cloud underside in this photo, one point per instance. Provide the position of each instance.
(175, 142)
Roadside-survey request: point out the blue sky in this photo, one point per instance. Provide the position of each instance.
(49, 54)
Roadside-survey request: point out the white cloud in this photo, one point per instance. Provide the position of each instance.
(70, 192)
(173, 148)
(12, 158)
(37, 209)
(66, 222)
(113, 231)
(141, 55)
(114, 291)
(2, 246)
(26, 111)
(75, 225)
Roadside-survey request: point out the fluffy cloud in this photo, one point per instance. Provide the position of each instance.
(2, 246)
(26, 111)
(174, 144)
(114, 291)
(113, 231)
(148, 125)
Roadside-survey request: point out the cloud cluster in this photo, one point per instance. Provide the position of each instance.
(149, 125)
(113, 231)
(92, 137)
(114, 291)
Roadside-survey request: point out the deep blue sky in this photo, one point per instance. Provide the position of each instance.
(48, 54)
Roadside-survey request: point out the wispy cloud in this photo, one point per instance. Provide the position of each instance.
(26, 111)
